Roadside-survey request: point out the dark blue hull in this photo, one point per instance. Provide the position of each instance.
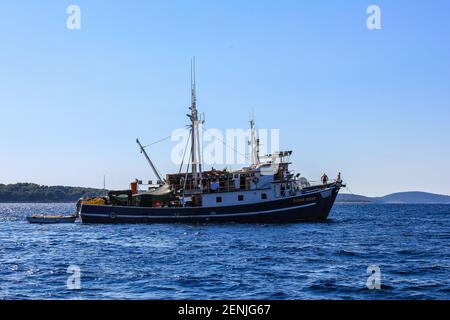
(311, 206)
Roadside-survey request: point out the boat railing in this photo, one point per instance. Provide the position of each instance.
(231, 188)
(317, 183)
(224, 189)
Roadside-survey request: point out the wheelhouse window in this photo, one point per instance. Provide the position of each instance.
(218, 199)
(263, 195)
(240, 197)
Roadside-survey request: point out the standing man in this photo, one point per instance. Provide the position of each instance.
(324, 179)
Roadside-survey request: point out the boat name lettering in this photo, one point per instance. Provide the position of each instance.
(304, 199)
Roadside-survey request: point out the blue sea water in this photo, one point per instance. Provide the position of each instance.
(409, 243)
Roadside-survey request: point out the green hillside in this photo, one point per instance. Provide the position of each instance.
(31, 192)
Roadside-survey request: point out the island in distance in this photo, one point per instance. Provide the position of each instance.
(34, 193)
(30, 192)
(412, 197)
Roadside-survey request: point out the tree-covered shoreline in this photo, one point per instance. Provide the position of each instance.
(31, 192)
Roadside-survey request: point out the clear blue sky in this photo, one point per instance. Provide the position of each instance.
(372, 104)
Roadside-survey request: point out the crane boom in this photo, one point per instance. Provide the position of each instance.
(150, 162)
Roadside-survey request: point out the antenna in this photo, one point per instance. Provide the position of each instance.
(195, 122)
(193, 84)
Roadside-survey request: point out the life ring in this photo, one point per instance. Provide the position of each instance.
(255, 180)
(112, 215)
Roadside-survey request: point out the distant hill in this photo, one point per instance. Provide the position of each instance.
(31, 192)
(400, 197)
(415, 197)
(345, 197)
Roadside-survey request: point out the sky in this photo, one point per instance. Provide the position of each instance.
(373, 104)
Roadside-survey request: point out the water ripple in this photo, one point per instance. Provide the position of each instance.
(410, 244)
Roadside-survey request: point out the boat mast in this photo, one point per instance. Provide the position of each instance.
(254, 144)
(195, 123)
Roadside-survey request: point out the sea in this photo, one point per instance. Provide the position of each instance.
(364, 251)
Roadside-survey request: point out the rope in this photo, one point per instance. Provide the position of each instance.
(184, 153)
(350, 191)
(161, 140)
(244, 155)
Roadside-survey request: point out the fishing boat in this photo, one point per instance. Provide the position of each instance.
(266, 191)
(41, 219)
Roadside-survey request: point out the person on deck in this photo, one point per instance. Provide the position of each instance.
(324, 179)
(339, 179)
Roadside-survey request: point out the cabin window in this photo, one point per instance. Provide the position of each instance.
(263, 195)
(218, 199)
(240, 197)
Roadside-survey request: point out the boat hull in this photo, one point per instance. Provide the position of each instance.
(311, 206)
(51, 220)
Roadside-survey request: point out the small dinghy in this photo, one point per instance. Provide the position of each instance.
(52, 219)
